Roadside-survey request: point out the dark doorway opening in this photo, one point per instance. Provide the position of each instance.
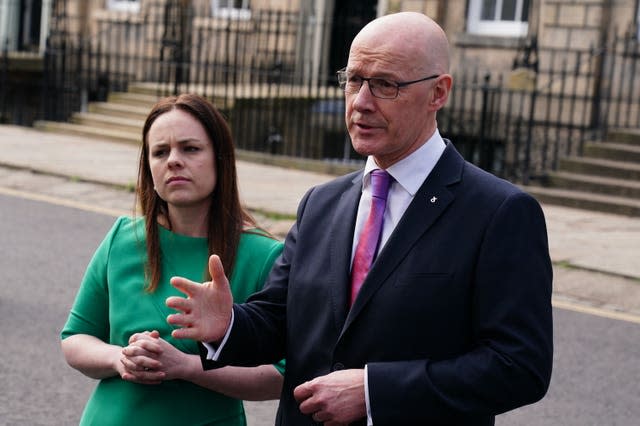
(349, 16)
(29, 30)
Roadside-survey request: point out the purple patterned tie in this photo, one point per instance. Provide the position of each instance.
(370, 235)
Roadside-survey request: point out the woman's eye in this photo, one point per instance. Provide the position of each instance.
(192, 149)
(158, 153)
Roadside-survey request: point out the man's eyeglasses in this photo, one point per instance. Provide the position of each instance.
(379, 87)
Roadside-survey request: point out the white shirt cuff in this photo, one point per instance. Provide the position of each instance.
(366, 396)
(212, 353)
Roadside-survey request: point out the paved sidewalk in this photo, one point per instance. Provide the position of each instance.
(579, 240)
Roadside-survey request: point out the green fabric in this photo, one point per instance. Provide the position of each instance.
(111, 304)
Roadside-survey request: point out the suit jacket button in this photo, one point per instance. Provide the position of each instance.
(338, 366)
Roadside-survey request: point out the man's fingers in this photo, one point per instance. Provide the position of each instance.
(179, 303)
(216, 269)
(180, 320)
(186, 286)
(184, 333)
(302, 392)
(206, 312)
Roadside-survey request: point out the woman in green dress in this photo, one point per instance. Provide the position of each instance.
(117, 332)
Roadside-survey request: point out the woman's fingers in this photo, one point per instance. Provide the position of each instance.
(139, 364)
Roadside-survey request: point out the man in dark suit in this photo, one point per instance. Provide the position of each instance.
(452, 324)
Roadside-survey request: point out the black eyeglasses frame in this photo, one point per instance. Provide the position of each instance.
(342, 81)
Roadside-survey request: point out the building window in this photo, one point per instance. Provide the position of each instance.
(234, 9)
(498, 17)
(124, 5)
(638, 19)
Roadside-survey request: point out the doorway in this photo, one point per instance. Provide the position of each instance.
(349, 16)
(29, 25)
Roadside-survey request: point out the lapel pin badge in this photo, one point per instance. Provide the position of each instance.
(433, 199)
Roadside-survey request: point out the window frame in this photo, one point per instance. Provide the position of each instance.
(476, 25)
(124, 5)
(238, 13)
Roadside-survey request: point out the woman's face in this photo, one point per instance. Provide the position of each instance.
(181, 159)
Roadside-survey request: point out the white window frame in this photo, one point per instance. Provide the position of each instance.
(495, 27)
(10, 24)
(124, 5)
(219, 10)
(638, 19)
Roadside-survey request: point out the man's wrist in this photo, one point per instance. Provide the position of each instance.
(213, 351)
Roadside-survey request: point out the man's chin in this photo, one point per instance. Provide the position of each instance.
(365, 146)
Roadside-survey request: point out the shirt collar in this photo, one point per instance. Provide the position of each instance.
(411, 172)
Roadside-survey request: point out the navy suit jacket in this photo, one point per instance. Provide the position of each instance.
(454, 319)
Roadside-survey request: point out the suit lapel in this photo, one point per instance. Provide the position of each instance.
(343, 224)
(431, 200)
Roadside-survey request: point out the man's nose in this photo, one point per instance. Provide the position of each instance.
(363, 97)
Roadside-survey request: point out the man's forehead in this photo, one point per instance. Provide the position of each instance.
(381, 60)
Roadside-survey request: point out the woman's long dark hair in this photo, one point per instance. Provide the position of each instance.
(226, 217)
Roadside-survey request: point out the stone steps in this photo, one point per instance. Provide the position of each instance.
(626, 136)
(613, 151)
(586, 200)
(117, 109)
(88, 131)
(601, 168)
(102, 121)
(595, 184)
(605, 178)
(120, 119)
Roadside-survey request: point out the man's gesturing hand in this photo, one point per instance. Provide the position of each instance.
(206, 312)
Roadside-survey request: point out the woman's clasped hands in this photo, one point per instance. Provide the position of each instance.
(149, 359)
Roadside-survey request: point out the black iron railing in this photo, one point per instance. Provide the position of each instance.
(270, 75)
(520, 124)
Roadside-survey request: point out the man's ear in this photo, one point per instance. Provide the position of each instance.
(441, 90)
